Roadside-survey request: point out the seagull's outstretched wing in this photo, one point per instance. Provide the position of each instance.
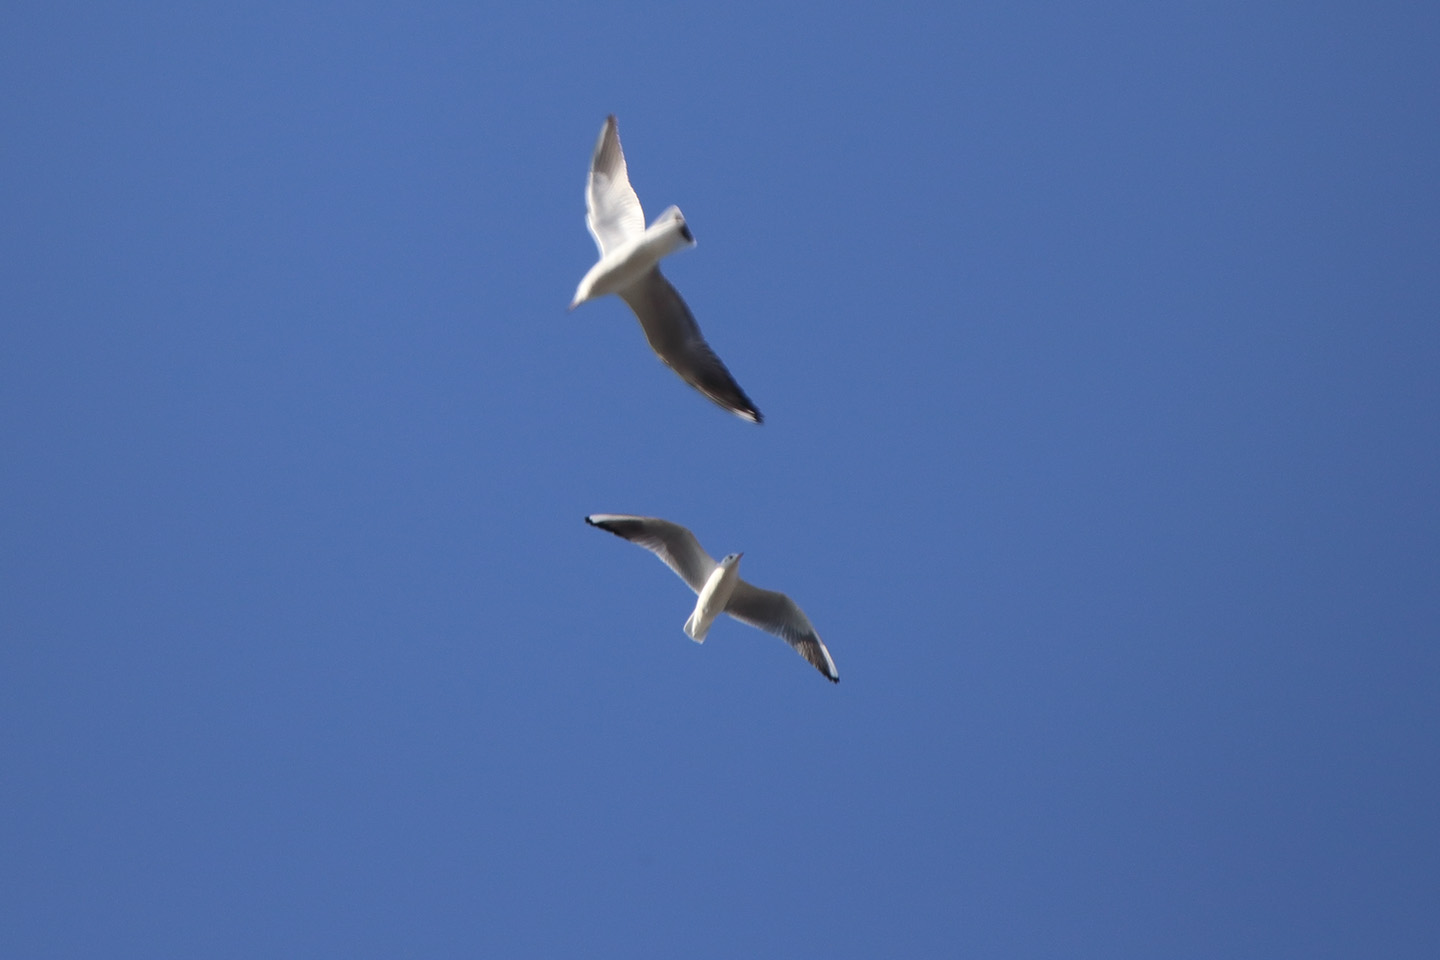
(612, 211)
(668, 541)
(776, 613)
(676, 339)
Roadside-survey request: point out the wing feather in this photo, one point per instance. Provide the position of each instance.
(613, 212)
(777, 614)
(676, 339)
(672, 543)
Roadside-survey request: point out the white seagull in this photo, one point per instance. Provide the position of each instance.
(629, 265)
(720, 588)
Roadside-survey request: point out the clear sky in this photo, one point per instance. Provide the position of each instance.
(1099, 349)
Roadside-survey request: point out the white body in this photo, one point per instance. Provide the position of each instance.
(713, 598)
(634, 257)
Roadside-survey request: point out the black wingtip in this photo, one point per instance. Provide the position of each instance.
(747, 412)
(600, 525)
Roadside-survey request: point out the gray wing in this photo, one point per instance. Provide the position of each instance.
(668, 541)
(612, 211)
(676, 339)
(776, 613)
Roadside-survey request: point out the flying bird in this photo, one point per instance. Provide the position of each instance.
(720, 588)
(629, 265)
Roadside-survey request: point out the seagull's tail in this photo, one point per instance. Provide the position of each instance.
(690, 629)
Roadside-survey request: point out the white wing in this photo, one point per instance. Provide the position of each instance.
(776, 613)
(612, 211)
(670, 542)
(676, 339)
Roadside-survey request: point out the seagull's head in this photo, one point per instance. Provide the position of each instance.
(731, 560)
(672, 224)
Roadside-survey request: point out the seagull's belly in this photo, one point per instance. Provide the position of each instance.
(629, 262)
(622, 268)
(712, 600)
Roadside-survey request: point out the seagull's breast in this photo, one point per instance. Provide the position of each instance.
(712, 600)
(631, 260)
(622, 266)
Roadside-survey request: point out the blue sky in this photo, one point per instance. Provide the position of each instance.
(1098, 350)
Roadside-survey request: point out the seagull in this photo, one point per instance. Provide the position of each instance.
(629, 265)
(720, 588)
